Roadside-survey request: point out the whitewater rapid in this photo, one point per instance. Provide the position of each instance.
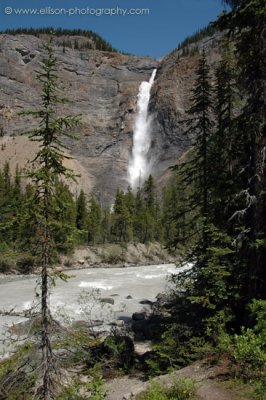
(127, 287)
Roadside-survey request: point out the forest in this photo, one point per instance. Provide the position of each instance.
(94, 41)
(213, 211)
(133, 218)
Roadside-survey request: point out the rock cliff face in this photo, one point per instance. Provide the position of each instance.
(103, 88)
(170, 100)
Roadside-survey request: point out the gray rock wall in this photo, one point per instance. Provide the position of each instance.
(103, 88)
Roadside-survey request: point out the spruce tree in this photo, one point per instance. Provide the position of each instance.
(226, 145)
(139, 218)
(175, 218)
(246, 25)
(94, 221)
(149, 197)
(211, 248)
(82, 212)
(63, 216)
(121, 219)
(49, 160)
(196, 171)
(105, 231)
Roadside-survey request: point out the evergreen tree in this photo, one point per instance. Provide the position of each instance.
(28, 226)
(94, 222)
(198, 168)
(129, 201)
(175, 214)
(49, 159)
(6, 179)
(106, 225)
(226, 145)
(149, 193)
(16, 207)
(139, 218)
(5, 207)
(206, 172)
(150, 210)
(121, 219)
(82, 212)
(63, 225)
(246, 24)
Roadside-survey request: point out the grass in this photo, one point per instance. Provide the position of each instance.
(241, 390)
(181, 389)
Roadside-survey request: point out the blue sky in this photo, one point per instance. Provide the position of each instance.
(153, 34)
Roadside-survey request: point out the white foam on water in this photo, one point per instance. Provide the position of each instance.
(150, 276)
(27, 305)
(95, 285)
(124, 273)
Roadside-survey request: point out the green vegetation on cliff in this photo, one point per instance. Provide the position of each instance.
(94, 41)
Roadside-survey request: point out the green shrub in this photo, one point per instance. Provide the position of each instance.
(94, 389)
(177, 348)
(26, 264)
(115, 256)
(5, 265)
(258, 310)
(249, 352)
(120, 351)
(71, 393)
(260, 392)
(182, 389)
(16, 381)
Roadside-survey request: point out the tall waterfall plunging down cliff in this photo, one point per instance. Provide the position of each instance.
(139, 167)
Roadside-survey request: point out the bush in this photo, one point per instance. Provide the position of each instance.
(250, 346)
(260, 392)
(120, 351)
(249, 352)
(182, 389)
(26, 264)
(16, 379)
(94, 389)
(5, 265)
(115, 256)
(177, 348)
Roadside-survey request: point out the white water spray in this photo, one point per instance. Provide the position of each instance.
(139, 168)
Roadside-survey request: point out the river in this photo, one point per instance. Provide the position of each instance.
(77, 297)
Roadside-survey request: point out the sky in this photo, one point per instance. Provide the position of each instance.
(142, 27)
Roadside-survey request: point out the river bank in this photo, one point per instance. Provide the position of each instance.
(120, 255)
(99, 256)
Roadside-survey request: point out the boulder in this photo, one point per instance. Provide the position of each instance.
(139, 316)
(146, 302)
(119, 323)
(107, 300)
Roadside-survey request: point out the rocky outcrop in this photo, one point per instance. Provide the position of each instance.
(170, 99)
(210, 382)
(103, 89)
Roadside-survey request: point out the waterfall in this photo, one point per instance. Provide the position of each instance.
(139, 168)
